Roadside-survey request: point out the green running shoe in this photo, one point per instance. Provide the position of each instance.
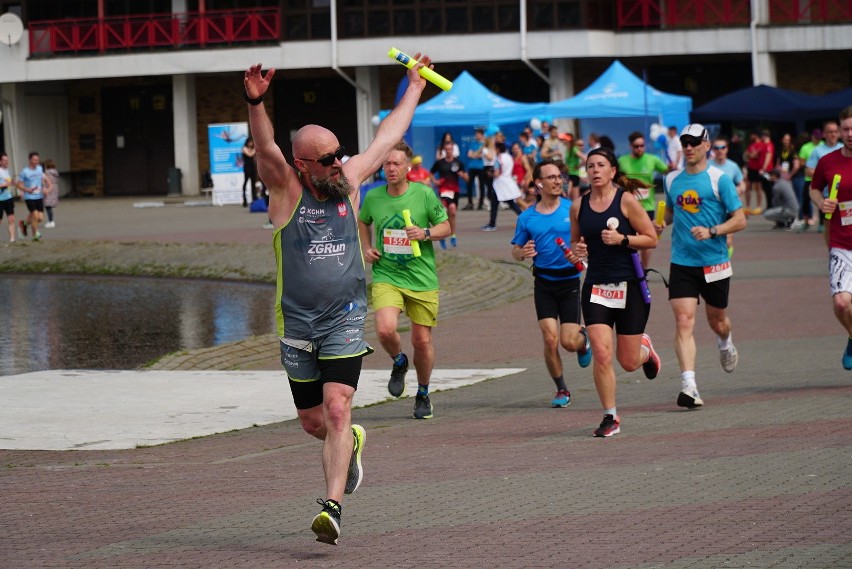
(326, 524)
(356, 471)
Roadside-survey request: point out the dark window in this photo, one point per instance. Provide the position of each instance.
(430, 21)
(456, 20)
(483, 19)
(378, 23)
(353, 24)
(404, 22)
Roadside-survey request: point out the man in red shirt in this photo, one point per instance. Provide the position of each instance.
(758, 157)
(418, 173)
(838, 164)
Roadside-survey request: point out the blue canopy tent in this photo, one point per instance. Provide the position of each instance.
(618, 102)
(467, 105)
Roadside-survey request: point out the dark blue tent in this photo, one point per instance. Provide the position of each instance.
(759, 103)
(829, 106)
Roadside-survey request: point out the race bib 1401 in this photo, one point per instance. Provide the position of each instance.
(610, 295)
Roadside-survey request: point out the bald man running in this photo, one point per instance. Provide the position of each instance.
(321, 299)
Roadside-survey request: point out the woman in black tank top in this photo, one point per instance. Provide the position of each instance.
(608, 225)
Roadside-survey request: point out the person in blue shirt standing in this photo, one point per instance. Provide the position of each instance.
(721, 161)
(7, 201)
(475, 165)
(557, 282)
(33, 183)
(703, 207)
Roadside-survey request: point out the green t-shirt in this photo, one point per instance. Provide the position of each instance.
(397, 265)
(572, 162)
(804, 152)
(643, 169)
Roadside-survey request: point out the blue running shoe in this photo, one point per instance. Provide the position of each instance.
(443, 243)
(847, 355)
(453, 241)
(584, 356)
(562, 399)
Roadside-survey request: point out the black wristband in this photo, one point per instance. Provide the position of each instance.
(253, 102)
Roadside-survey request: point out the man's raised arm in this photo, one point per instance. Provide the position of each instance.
(271, 164)
(391, 130)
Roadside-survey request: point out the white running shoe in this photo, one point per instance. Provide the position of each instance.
(729, 358)
(49, 225)
(689, 399)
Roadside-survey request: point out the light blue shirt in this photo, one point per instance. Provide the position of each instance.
(730, 168)
(5, 193)
(32, 179)
(821, 150)
(695, 203)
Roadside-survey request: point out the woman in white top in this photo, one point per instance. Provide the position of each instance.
(447, 137)
(505, 187)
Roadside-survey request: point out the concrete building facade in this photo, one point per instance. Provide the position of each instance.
(117, 117)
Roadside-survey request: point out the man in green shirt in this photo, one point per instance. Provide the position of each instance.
(404, 273)
(641, 166)
(802, 184)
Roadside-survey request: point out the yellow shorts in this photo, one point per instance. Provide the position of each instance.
(421, 306)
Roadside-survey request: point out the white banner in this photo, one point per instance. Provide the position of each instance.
(226, 142)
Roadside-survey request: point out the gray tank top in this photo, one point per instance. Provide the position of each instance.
(321, 279)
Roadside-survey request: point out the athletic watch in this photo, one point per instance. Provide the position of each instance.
(427, 235)
(625, 242)
(713, 231)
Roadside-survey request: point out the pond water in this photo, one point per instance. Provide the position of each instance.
(65, 322)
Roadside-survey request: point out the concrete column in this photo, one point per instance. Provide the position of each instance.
(16, 139)
(367, 104)
(186, 133)
(561, 79)
(765, 72)
(562, 87)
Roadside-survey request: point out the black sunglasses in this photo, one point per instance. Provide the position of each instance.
(692, 141)
(719, 147)
(328, 159)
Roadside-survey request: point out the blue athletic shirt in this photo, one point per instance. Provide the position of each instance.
(475, 163)
(32, 178)
(695, 202)
(544, 229)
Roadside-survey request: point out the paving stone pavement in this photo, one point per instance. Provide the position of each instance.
(759, 477)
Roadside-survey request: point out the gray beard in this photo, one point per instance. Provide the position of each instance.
(334, 190)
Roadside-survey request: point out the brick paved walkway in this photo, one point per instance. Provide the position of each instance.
(757, 478)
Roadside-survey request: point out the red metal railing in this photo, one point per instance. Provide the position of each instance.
(656, 14)
(176, 30)
(810, 11)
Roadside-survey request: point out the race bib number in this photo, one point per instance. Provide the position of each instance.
(448, 194)
(718, 272)
(845, 211)
(396, 241)
(642, 193)
(610, 295)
